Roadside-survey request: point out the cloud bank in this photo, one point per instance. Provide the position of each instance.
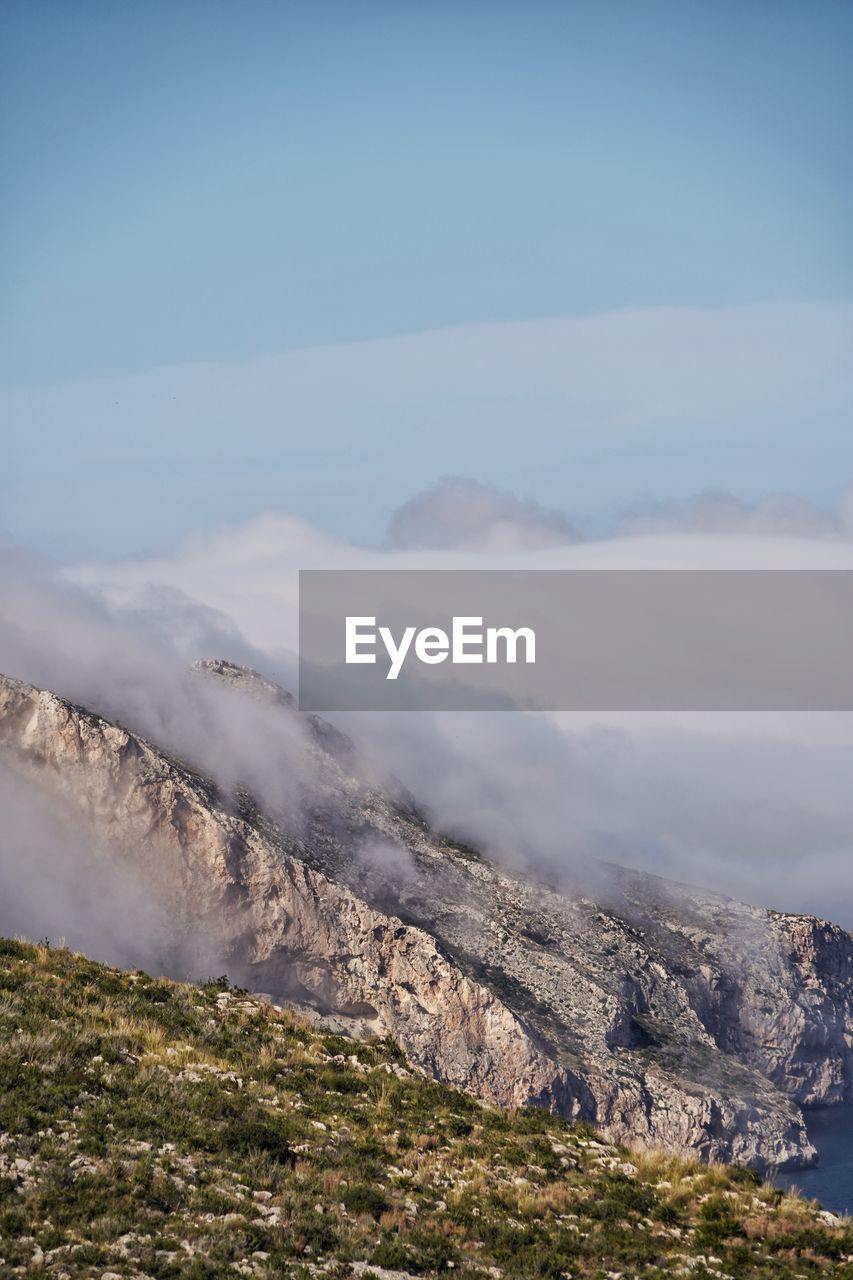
(60, 883)
(590, 412)
(757, 806)
(458, 512)
(716, 512)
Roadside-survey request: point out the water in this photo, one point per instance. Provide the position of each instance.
(831, 1131)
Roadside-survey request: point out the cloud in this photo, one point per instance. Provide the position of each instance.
(716, 511)
(58, 881)
(583, 412)
(458, 512)
(758, 806)
(742, 804)
(132, 662)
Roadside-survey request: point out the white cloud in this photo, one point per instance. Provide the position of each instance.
(585, 413)
(458, 512)
(758, 806)
(716, 511)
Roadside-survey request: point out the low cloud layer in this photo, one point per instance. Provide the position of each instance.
(718, 512)
(756, 806)
(462, 513)
(59, 883)
(590, 411)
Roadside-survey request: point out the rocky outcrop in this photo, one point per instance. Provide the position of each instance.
(774, 990)
(661, 1015)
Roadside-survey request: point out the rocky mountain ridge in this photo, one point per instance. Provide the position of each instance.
(663, 1016)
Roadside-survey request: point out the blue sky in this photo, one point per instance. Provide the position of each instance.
(207, 181)
(210, 181)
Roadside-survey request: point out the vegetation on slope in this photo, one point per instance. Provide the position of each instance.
(154, 1129)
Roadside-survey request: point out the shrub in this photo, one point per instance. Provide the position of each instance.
(365, 1199)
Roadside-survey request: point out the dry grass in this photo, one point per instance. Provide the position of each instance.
(148, 1114)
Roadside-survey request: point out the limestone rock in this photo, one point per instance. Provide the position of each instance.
(661, 1015)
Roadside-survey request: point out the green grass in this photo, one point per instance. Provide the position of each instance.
(149, 1128)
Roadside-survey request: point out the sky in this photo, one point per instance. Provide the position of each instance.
(194, 192)
(281, 284)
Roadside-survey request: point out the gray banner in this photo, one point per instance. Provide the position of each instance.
(581, 640)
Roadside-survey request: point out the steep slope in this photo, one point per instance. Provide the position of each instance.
(149, 1129)
(656, 1013)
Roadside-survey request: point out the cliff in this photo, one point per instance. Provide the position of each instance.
(661, 1015)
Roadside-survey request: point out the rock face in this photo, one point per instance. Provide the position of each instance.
(661, 1015)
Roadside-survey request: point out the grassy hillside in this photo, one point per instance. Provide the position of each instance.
(153, 1129)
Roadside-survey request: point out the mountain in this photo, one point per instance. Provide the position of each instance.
(156, 1130)
(661, 1015)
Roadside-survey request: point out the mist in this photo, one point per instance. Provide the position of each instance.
(59, 883)
(758, 807)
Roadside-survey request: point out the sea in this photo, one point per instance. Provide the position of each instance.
(831, 1131)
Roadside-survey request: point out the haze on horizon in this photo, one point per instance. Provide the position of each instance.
(314, 257)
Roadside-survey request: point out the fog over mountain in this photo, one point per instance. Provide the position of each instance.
(756, 806)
